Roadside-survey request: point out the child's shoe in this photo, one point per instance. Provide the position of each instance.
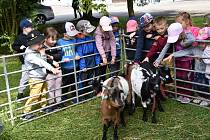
(204, 103)
(27, 117)
(185, 100)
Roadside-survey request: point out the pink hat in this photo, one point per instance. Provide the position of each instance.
(131, 25)
(203, 33)
(174, 30)
(105, 23)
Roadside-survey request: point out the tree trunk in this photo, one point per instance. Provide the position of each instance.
(130, 8)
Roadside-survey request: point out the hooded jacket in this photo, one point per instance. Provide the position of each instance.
(105, 41)
(87, 49)
(206, 53)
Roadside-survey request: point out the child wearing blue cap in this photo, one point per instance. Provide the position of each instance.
(20, 45)
(147, 35)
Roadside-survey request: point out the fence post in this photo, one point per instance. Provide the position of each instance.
(75, 78)
(122, 53)
(174, 63)
(8, 91)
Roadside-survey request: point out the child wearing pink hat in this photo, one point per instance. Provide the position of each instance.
(131, 28)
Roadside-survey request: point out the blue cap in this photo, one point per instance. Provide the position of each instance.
(25, 23)
(145, 19)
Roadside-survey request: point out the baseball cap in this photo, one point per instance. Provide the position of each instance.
(25, 23)
(114, 19)
(85, 25)
(174, 30)
(35, 37)
(105, 23)
(145, 19)
(131, 25)
(70, 29)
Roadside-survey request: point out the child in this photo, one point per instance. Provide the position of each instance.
(35, 61)
(115, 26)
(85, 27)
(105, 42)
(131, 28)
(20, 45)
(199, 67)
(184, 62)
(68, 53)
(147, 35)
(55, 55)
(207, 61)
(161, 27)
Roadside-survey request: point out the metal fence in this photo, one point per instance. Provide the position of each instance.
(12, 109)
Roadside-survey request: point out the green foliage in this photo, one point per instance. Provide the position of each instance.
(87, 6)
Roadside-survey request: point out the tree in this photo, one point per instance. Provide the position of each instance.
(87, 6)
(130, 8)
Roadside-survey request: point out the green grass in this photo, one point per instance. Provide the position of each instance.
(83, 122)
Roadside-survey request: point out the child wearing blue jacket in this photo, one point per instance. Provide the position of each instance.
(84, 50)
(69, 52)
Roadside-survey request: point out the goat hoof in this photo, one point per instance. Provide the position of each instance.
(154, 120)
(115, 137)
(144, 119)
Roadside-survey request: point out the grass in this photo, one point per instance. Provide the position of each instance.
(83, 122)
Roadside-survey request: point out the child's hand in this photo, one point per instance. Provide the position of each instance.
(113, 61)
(156, 37)
(149, 36)
(77, 57)
(42, 51)
(56, 64)
(50, 57)
(56, 70)
(156, 64)
(66, 59)
(104, 61)
(145, 60)
(22, 47)
(169, 58)
(132, 35)
(84, 70)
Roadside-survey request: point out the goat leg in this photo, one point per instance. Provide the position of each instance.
(115, 132)
(160, 108)
(145, 117)
(132, 104)
(105, 129)
(122, 118)
(154, 119)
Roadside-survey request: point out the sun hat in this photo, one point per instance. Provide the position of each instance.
(131, 26)
(105, 23)
(25, 23)
(174, 30)
(85, 25)
(145, 19)
(70, 29)
(114, 19)
(35, 37)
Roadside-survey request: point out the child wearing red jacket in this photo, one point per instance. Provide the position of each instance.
(161, 27)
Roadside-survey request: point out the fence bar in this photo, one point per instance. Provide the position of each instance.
(8, 91)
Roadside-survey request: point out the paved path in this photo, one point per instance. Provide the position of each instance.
(165, 7)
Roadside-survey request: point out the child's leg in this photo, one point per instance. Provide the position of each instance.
(43, 96)
(58, 91)
(34, 89)
(51, 87)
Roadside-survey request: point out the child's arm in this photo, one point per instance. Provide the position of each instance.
(99, 45)
(82, 63)
(162, 54)
(97, 56)
(139, 47)
(113, 46)
(181, 53)
(188, 40)
(206, 53)
(154, 49)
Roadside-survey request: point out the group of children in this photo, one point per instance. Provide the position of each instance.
(154, 35)
(49, 63)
